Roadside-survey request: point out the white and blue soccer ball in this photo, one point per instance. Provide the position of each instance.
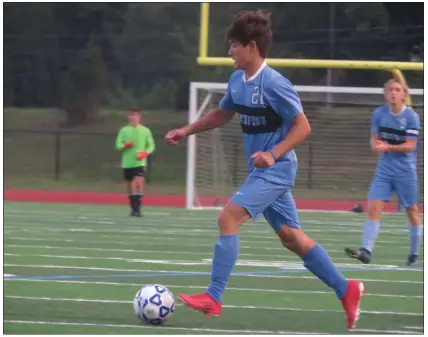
(154, 304)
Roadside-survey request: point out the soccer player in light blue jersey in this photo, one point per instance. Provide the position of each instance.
(394, 133)
(273, 124)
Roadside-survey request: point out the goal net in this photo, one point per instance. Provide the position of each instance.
(335, 162)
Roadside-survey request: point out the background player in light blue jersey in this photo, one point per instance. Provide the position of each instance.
(273, 124)
(394, 133)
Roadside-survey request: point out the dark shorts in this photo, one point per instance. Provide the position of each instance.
(130, 173)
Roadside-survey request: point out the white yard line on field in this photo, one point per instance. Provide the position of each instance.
(281, 264)
(192, 222)
(389, 331)
(160, 272)
(178, 286)
(165, 327)
(413, 327)
(198, 231)
(158, 241)
(372, 312)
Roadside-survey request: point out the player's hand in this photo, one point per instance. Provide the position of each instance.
(128, 145)
(381, 146)
(174, 137)
(263, 159)
(142, 155)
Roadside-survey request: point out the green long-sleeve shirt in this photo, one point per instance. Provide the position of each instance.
(143, 141)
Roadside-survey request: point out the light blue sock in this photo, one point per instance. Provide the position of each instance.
(371, 230)
(415, 234)
(225, 255)
(319, 263)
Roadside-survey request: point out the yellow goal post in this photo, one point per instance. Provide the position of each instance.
(205, 60)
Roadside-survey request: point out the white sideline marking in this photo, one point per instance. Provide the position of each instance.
(131, 250)
(388, 331)
(224, 306)
(190, 273)
(8, 275)
(281, 264)
(313, 277)
(193, 217)
(178, 229)
(163, 251)
(413, 327)
(242, 263)
(128, 326)
(178, 286)
(208, 244)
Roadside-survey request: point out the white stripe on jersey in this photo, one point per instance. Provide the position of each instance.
(412, 132)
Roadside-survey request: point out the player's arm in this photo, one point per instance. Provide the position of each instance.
(299, 132)
(412, 133)
(149, 148)
(120, 144)
(408, 146)
(374, 130)
(212, 120)
(286, 102)
(150, 142)
(215, 118)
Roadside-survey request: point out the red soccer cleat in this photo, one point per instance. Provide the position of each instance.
(202, 302)
(351, 302)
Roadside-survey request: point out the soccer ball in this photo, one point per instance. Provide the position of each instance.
(154, 304)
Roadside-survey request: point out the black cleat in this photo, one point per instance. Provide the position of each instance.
(358, 208)
(412, 260)
(361, 254)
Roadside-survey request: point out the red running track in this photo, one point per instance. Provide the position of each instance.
(166, 200)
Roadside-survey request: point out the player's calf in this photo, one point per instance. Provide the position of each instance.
(370, 233)
(226, 252)
(317, 261)
(134, 197)
(415, 234)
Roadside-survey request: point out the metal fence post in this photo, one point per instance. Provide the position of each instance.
(310, 164)
(149, 169)
(57, 154)
(235, 163)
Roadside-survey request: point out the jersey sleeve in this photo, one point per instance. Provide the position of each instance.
(150, 144)
(413, 125)
(374, 128)
(226, 103)
(283, 98)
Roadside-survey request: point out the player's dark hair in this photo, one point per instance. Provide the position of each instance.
(250, 26)
(134, 111)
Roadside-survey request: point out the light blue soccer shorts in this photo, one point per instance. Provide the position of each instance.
(259, 195)
(407, 189)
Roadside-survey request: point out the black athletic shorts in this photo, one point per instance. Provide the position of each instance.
(131, 173)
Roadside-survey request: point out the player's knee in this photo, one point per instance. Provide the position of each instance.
(231, 218)
(375, 210)
(295, 240)
(413, 214)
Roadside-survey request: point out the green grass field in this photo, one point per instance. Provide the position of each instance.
(79, 267)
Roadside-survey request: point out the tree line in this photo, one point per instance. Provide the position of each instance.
(82, 57)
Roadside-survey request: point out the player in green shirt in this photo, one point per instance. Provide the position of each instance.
(136, 143)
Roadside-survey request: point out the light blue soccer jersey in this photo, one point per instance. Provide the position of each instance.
(266, 104)
(394, 129)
